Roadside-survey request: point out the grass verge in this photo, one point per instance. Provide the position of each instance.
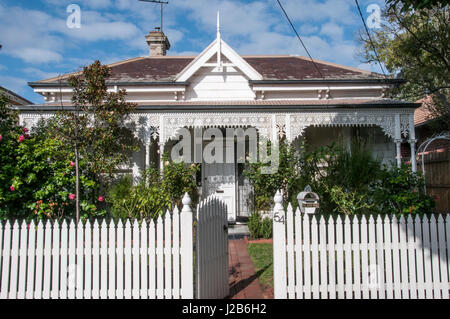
(262, 258)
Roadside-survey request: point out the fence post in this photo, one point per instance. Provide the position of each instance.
(187, 275)
(279, 248)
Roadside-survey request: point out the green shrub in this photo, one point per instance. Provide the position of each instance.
(259, 227)
(348, 181)
(153, 194)
(401, 191)
(36, 178)
(287, 178)
(349, 203)
(266, 228)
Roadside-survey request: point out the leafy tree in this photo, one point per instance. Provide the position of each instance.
(95, 127)
(413, 43)
(417, 4)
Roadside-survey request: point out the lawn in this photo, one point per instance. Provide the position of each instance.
(262, 258)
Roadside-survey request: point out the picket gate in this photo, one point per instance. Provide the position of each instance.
(99, 260)
(353, 258)
(212, 249)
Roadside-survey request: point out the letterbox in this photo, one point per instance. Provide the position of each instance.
(308, 201)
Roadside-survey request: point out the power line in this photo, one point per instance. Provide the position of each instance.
(301, 41)
(370, 39)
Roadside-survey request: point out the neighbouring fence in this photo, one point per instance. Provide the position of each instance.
(437, 176)
(99, 260)
(359, 257)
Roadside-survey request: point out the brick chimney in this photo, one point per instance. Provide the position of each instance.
(157, 42)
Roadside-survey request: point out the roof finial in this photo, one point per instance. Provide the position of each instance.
(218, 24)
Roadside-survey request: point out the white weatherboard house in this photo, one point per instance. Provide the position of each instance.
(222, 89)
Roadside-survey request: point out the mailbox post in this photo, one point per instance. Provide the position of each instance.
(308, 201)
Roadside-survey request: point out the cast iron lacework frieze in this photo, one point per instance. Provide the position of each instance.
(299, 122)
(166, 125)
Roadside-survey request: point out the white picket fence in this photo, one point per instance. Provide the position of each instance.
(99, 261)
(373, 258)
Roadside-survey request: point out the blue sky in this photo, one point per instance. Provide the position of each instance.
(37, 43)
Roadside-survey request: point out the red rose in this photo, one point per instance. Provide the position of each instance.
(101, 198)
(72, 196)
(12, 188)
(21, 138)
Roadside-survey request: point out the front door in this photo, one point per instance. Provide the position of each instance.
(220, 179)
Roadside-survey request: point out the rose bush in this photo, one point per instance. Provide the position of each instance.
(36, 177)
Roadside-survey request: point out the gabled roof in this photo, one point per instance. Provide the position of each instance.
(218, 48)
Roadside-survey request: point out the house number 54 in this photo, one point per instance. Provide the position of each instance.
(278, 219)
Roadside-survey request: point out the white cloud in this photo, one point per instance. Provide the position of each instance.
(24, 35)
(338, 11)
(15, 84)
(332, 30)
(238, 18)
(308, 29)
(93, 4)
(97, 4)
(43, 38)
(103, 31)
(370, 67)
(36, 55)
(39, 74)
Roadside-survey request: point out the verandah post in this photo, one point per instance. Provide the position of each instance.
(187, 275)
(279, 248)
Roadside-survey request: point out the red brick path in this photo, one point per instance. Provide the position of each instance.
(243, 281)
